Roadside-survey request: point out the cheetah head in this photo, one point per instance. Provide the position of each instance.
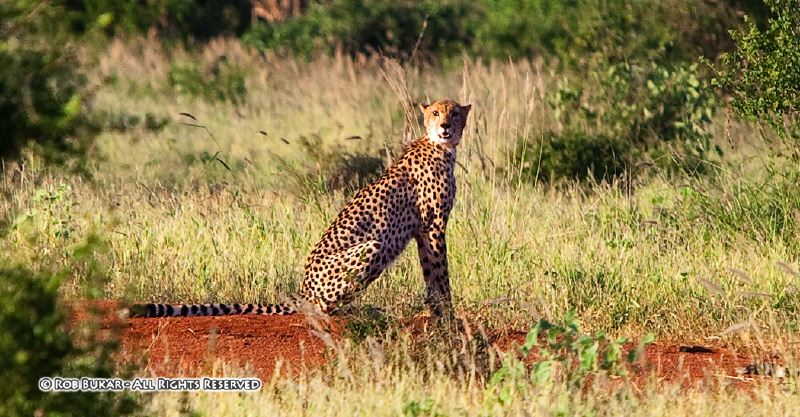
(445, 121)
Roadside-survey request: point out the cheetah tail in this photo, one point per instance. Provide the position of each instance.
(189, 310)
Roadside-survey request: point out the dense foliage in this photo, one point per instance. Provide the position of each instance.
(400, 28)
(41, 90)
(571, 30)
(631, 93)
(183, 19)
(35, 343)
(763, 73)
(621, 116)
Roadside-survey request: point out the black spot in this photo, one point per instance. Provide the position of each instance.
(170, 310)
(204, 309)
(184, 310)
(214, 311)
(225, 309)
(194, 309)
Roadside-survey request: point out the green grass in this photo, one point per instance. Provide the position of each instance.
(215, 213)
(221, 213)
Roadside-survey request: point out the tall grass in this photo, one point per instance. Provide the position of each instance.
(208, 208)
(213, 213)
(385, 384)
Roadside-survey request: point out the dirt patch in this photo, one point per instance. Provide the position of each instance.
(193, 346)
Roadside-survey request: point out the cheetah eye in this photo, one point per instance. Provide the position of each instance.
(435, 113)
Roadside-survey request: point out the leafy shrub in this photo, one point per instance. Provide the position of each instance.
(41, 90)
(639, 104)
(221, 82)
(763, 73)
(427, 407)
(31, 342)
(302, 36)
(118, 17)
(573, 29)
(34, 343)
(621, 113)
(399, 28)
(519, 28)
(573, 155)
(174, 18)
(335, 169)
(563, 354)
(364, 322)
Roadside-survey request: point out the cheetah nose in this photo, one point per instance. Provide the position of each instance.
(445, 125)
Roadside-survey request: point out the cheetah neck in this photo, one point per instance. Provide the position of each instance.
(440, 157)
(438, 148)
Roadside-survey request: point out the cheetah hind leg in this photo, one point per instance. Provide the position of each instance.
(347, 273)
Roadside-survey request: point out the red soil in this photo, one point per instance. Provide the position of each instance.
(193, 346)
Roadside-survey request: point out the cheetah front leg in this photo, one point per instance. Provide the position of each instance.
(433, 257)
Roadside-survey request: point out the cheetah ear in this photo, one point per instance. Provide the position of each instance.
(465, 110)
(423, 106)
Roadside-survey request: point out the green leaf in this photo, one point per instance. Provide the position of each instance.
(104, 20)
(70, 111)
(223, 163)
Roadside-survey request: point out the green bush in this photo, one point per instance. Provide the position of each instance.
(522, 28)
(34, 343)
(620, 114)
(573, 155)
(564, 354)
(615, 31)
(763, 73)
(364, 322)
(221, 82)
(641, 104)
(399, 28)
(117, 17)
(41, 90)
(338, 168)
(182, 19)
(573, 30)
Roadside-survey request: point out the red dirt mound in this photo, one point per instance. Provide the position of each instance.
(191, 346)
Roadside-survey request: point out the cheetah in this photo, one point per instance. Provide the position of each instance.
(411, 200)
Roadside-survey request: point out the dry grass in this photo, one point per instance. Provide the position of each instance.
(183, 227)
(378, 382)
